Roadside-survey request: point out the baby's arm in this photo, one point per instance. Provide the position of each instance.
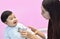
(6, 35)
(26, 30)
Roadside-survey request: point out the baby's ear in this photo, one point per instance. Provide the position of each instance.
(5, 22)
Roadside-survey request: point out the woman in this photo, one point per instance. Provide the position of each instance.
(51, 11)
(53, 8)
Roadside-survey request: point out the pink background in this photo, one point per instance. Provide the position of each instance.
(27, 12)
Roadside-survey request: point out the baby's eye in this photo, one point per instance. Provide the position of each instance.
(11, 18)
(14, 17)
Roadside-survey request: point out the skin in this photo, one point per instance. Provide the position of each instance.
(45, 13)
(29, 35)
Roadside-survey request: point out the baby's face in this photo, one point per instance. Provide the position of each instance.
(11, 20)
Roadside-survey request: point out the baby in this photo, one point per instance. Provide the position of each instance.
(13, 28)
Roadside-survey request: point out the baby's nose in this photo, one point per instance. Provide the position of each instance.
(15, 19)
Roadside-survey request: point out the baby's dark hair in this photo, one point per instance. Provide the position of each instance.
(5, 15)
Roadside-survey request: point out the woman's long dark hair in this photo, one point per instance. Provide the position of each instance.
(53, 7)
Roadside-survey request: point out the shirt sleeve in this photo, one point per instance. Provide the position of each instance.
(23, 27)
(28, 29)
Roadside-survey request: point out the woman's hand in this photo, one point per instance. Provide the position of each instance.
(29, 35)
(32, 28)
(24, 33)
(38, 32)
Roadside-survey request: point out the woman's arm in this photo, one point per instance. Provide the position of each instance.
(40, 34)
(37, 32)
(29, 35)
(32, 36)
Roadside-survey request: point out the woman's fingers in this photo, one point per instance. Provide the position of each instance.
(32, 28)
(24, 33)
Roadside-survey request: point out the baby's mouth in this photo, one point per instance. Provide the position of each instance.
(15, 22)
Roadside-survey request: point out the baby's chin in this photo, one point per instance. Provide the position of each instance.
(13, 25)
